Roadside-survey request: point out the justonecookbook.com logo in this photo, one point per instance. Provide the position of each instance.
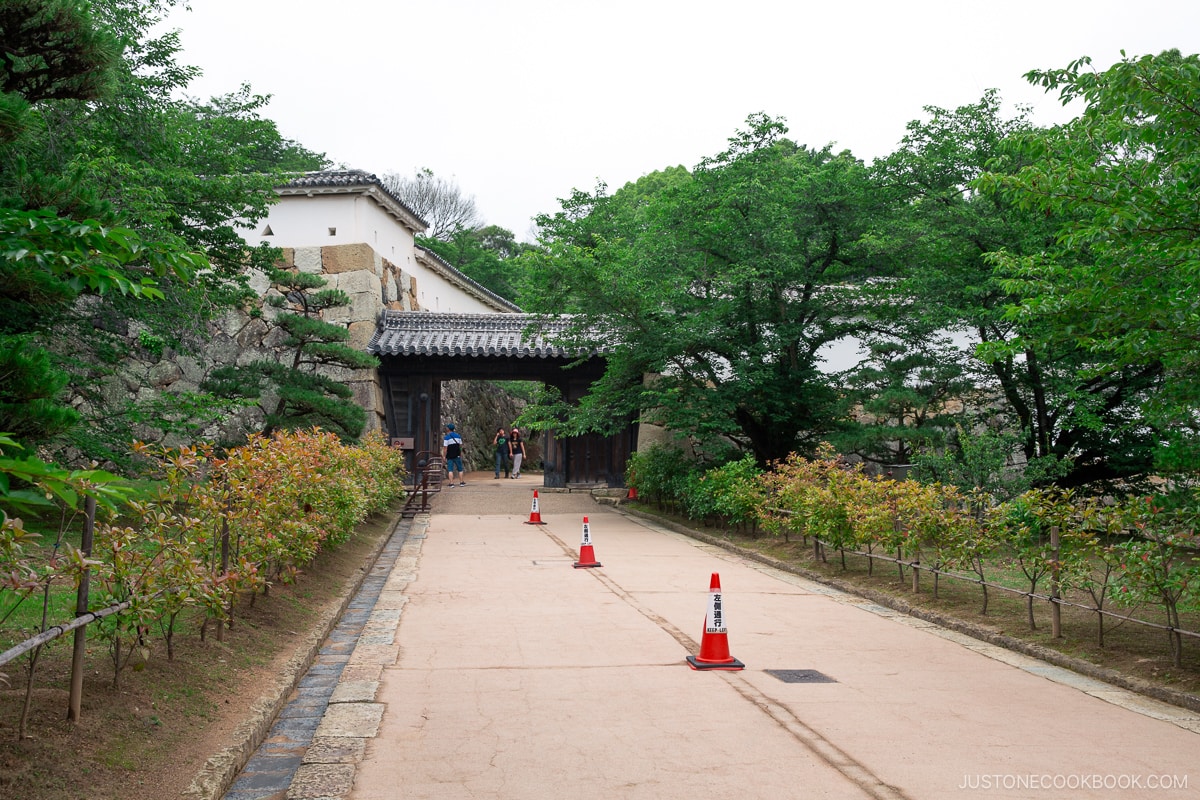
(1048, 782)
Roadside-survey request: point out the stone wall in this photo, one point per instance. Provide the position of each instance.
(245, 335)
(477, 408)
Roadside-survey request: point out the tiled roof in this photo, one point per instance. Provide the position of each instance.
(421, 333)
(344, 180)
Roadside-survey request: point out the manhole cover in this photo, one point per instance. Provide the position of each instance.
(800, 676)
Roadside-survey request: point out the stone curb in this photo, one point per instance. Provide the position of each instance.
(1040, 652)
(220, 770)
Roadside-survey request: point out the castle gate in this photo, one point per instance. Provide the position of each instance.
(419, 350)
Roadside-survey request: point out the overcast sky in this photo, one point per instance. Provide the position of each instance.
(520, 101)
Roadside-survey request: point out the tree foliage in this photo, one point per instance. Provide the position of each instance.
(294, 394)
(484, 254)
(52, 50)
(902, 399)
(115, 189)
(724, 285)
(1076, 418)
(1120, 183)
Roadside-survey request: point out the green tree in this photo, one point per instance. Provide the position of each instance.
(724, 285)
(46, 264)
(1120, 182)
(902, 400)
(52, 51)
(1077, 419)
(484, 254)
(111, 181)
(293, 393)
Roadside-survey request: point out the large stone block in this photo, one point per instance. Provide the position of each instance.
(253, 333)
(364, 307)
(221, 349)
(164, 373)
(183, 386)
(133, 375)
(308, 259)
(259, 282)
(355, 282)
(361, 332)
(338, 258)
(232, 322)
(191, 368)
(274, 339)
(365, 395)
(245, 357)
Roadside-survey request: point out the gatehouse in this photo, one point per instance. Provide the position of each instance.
(427, 322)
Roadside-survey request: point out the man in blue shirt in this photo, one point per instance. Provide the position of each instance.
(452, 453)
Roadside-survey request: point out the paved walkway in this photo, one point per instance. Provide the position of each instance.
(478, 663)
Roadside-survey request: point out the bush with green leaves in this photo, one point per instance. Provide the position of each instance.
(1159, 562)
(731, 492)
(216, 527)
(660, 473)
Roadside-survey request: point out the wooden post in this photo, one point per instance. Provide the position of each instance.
(1055, 607)
(75, 701)
(224, 563)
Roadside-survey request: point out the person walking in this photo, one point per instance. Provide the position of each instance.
(452, 452)
(516, 448)
(500, 443)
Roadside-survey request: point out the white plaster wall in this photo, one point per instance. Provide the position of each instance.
(307, 223)
(324, 219)
(435, 293)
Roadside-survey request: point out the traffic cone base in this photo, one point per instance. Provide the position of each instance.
(587, 557)
(732, 665)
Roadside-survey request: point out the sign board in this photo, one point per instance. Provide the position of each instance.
(404, 442)
(715, 621)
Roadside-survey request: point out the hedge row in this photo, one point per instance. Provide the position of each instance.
(1140, 550)
(200, 530)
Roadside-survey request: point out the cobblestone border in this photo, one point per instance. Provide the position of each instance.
(218, 773)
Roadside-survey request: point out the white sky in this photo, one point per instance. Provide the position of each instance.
(520, 101)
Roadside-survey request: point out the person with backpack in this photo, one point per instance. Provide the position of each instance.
(452, 452)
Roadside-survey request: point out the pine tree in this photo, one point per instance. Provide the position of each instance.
(306, 397)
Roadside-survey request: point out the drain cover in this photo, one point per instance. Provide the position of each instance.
(800, 676)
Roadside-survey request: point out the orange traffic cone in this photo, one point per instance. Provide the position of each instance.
(587, 556)
(535, 516)
(714, 646)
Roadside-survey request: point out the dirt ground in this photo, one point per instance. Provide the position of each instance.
(147, 738)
